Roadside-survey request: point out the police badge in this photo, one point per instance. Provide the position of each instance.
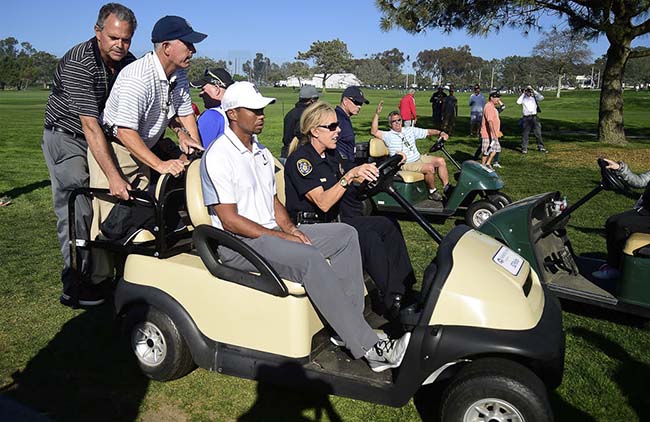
(304, 167)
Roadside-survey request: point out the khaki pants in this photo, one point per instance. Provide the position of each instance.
(137, 174)
(417, 165)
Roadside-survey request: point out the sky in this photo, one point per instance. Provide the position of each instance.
(279, 29)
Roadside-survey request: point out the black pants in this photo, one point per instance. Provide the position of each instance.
(384, 255)
(619, 228)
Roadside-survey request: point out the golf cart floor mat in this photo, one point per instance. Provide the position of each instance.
(579, 288)
(336, 360)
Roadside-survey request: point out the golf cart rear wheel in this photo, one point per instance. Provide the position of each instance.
(495, 390)
(478, 212)
(500, 200)
(159, 348)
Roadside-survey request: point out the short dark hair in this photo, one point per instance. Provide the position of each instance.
(121, 12)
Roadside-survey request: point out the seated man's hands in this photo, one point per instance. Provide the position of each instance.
(613, 165)
(173, 167)
(119, 188)
(443, 135)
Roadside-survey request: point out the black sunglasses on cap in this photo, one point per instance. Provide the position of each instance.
(332, 126)
(215, 80)
(355, 102)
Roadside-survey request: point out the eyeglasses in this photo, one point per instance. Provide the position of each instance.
(331, 127)
(355, 102)
(392, 122)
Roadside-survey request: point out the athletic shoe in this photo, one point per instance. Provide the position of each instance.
(5, 200)
(524, 151)
(338, 341)
(88, 296)
(435, 196)
(606, 272)
(387, 353)
(497, 165)
(542, 149)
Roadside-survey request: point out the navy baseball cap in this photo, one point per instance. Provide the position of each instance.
(170, 28)
(356, 94)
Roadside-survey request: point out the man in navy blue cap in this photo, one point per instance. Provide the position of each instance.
(351, 101)
(149, 95)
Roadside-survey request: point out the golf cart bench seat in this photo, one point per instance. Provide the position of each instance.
(638, 244)
(199, 215)
(378, 149)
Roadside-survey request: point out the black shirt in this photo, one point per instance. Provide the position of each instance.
(292, 126)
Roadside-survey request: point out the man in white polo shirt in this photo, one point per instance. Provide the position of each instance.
(401, 140)
(238, 181)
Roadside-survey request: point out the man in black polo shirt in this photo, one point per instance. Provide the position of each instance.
(307, 96)
(82, 81)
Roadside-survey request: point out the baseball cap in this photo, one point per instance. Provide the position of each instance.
(495, 94)
(477, 86)
(308, 91)
(244, 94)
(216, 76)
(528, 87)
(175, 28)
(356, 94)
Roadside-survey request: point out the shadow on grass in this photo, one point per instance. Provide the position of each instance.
(16, 192)
(83, 374)
(631, 375)
(276, 403)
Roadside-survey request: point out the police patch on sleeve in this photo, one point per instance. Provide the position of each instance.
(304, 167)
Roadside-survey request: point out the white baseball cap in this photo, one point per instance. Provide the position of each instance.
(244, 94)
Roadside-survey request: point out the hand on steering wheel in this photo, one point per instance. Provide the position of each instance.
(437, 146)
(387, 169)
(610, 180)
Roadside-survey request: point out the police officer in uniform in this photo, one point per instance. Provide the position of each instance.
(316, 179)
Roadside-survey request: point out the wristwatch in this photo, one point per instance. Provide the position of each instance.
(344, 182)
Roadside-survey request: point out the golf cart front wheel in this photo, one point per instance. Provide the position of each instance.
(499, 199)
(478, 212)
(159, 348)
(496, 390)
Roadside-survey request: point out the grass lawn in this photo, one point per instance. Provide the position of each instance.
(68, 364)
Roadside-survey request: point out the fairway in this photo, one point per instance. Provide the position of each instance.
(71, 366)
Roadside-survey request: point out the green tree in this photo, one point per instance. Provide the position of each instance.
(637, 70)
(620, 21)
(563, 51)
(329, 57)
(371, 72)
(300, 70)
(447, 65)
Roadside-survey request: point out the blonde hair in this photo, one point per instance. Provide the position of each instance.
(310, 119)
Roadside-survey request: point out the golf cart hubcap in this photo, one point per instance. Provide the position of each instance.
(492, 410)
(148, 343)
(480, 216)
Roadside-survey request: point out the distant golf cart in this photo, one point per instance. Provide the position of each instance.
(476, 194)
(493, 344)
(535, 228)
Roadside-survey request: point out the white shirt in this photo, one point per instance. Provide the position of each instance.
(404, 141)
(231, 174)
(140, 99)
(528, 103)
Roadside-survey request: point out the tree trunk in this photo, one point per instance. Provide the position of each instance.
(324, 79)
(610, 116)
(559, 85)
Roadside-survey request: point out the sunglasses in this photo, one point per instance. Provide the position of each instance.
(392, 122)
(214, 79)
(331, 127)
(355, 102)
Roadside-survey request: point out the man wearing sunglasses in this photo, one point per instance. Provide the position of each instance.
(351, 102)
(213, 120)
(401, 140)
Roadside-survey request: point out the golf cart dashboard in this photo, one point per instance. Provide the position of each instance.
(547, 207)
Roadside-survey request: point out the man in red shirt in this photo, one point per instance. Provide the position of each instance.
(407, 108)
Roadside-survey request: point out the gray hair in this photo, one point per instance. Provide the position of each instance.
(393, 113)
(122, 13)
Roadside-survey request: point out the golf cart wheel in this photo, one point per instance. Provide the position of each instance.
(159, 348)
(478, 212)
(500, 200)
(495, 390)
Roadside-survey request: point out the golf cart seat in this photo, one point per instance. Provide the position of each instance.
(378, 150)
(200, 216)
(638, 244)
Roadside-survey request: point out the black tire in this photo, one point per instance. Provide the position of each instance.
(499, 199)
(478, 212)
(160, 350)
(495, 387)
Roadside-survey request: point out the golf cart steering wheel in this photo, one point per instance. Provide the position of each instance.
(437, 146)
(387, 169)
(610, 180)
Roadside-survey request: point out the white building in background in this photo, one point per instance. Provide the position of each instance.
(334, 81)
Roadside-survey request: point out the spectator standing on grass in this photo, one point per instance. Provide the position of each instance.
(212, 121)
(476, 104)
(307, 96)
(82, 81)
(449, 112)
(437, 101)
(529, 100)
(407, 109)
(490, 129)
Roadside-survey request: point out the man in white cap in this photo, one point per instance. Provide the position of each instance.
(238, 181)
(307, 96)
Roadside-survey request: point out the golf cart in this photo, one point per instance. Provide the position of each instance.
(494, 343)
(535, 228)
(476, 194)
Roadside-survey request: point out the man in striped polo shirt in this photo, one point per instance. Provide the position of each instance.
(82, 81)
(147, 96)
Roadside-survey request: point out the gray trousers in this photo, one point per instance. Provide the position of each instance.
(531, 123)
(335, 289)
(67, 164)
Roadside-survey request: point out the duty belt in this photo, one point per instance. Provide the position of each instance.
(307, 217)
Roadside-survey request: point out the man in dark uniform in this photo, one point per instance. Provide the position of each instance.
(383, 250)
(308, 95)
(437, 101)
(351, 102)
(82, 82)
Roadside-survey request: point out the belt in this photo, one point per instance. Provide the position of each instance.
(74, 135)
(307, 217)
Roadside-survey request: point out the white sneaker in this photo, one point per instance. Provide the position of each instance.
(606, 272)
(496, 165)
(338, 341)
(387, 353)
